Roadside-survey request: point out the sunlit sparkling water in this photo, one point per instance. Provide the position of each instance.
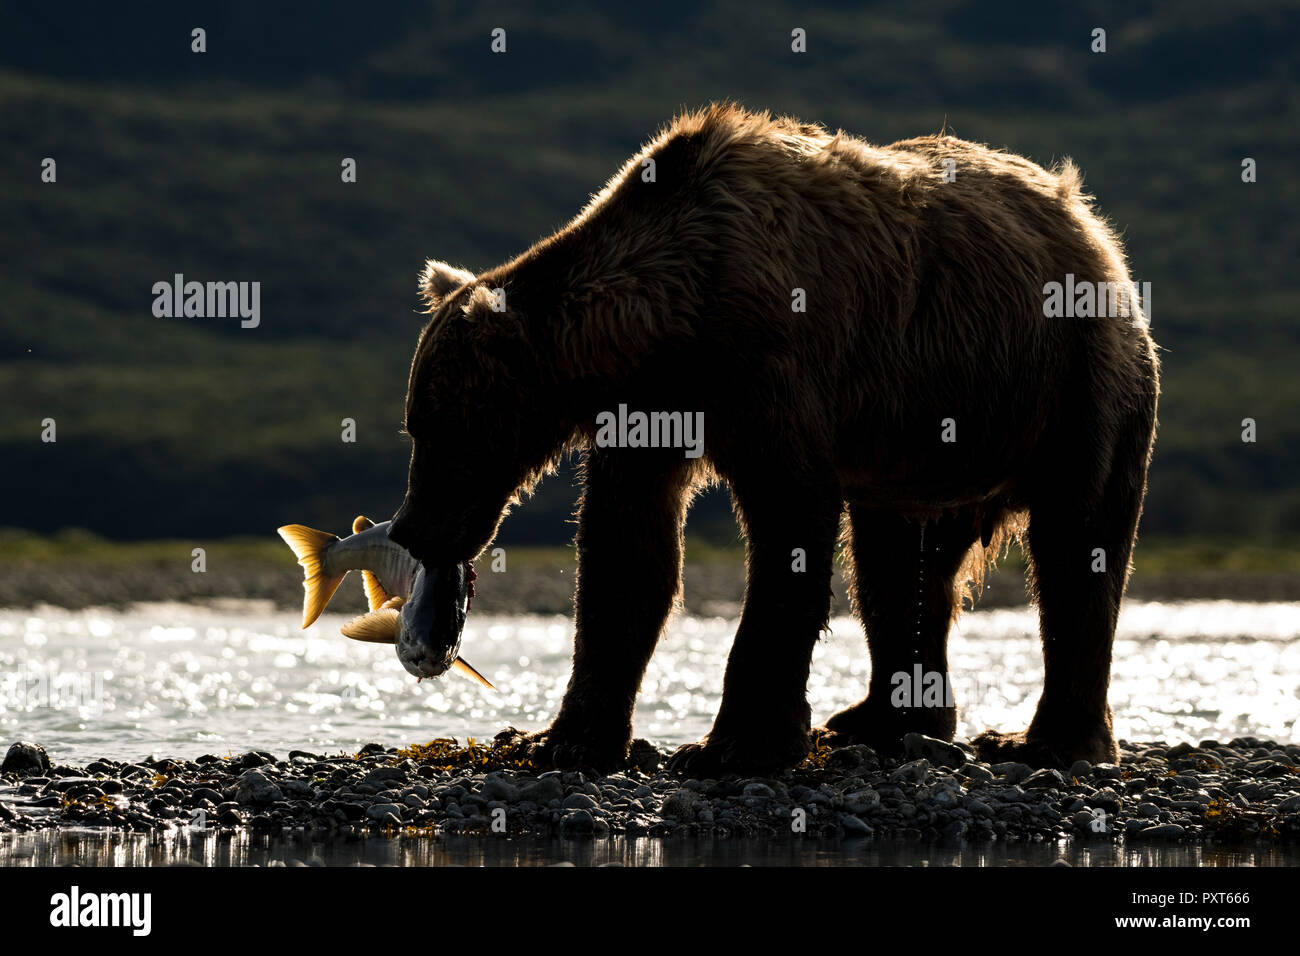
(181, 680)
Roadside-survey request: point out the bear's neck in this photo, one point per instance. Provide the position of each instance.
(595, 313)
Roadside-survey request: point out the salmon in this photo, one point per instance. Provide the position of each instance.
(419, 610)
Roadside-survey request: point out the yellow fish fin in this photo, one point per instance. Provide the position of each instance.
(377, 627)
(462, 666)
(318, 587)
(376, 596)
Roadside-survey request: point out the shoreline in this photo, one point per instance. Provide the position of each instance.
(710, 589)
(1243, 792)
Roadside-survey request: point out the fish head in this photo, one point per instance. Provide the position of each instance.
(433, 620)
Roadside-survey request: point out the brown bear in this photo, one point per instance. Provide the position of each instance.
(865, 332)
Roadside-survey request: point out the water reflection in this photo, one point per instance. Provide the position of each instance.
(182, 680)
(87, 847)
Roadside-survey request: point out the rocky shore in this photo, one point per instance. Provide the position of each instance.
(1245, 791)
(710, 588)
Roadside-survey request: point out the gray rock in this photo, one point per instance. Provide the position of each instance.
(1078, 770)
(1164, 831)
(1083, 820)
(1045, 779)
(913, 772)
(1107, 799)
(1013, 772)
(25, 759)
(854, 825)
(296, 787)
(1147, 810)
(578, 801)
(385, 776)
(381, 810)
(1289, 805)
(1013, 795)
(978, 773)
(939, 753)
(496, 788)
(682, 804)
(759, 790)
(644, 756)
(862, 801)
(578, 821)
(253, 788)
(542, 791)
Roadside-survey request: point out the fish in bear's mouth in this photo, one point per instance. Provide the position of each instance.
(419, 609)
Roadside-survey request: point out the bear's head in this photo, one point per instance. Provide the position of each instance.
(483, 423)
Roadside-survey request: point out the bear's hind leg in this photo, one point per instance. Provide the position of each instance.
(1072, 531)
(629, 543)
(901, 586)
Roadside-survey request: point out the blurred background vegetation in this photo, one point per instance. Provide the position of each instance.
(226, 166)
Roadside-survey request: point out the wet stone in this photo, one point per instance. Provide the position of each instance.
(939, 753)
(913, 772)
(25, 759)
(1046, 779)
(1012, 773)
(578, 801)
(578, 821)
(253, 788)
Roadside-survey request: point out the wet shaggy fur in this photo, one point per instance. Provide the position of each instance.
(924, 302)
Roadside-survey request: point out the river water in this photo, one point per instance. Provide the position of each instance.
(181, 680)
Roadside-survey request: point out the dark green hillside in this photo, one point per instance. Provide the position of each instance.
(226, 166)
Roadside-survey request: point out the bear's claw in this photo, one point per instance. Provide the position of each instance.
(996, 747)
(558, 749)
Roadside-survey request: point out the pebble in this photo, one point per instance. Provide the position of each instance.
(1237, 796)
(1165, 831)
(254, 788)
(1044, 780)
(854, 825)
(939, 753)
(1012, 772)
(912, 772)
(25, 759)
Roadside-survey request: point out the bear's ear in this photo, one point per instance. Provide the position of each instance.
(437, 279)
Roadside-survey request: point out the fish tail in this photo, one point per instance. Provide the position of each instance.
(309, 546)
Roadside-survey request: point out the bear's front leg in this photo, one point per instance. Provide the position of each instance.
(629, 543)
(764, 720)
